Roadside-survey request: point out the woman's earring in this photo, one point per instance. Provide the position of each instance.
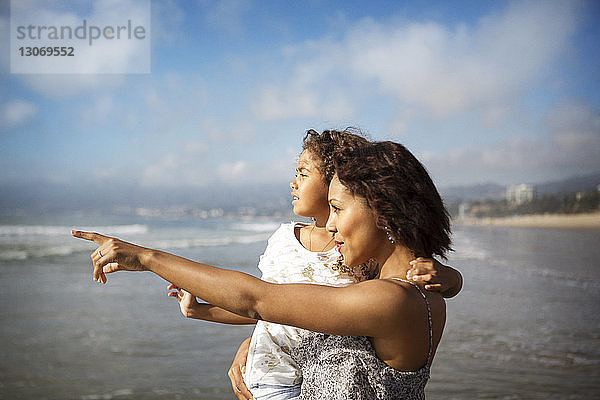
(389, 235)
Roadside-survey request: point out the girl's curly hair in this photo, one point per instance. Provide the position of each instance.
(321, 146)
(399, 190)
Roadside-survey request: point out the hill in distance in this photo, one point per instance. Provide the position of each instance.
(492, 191)
(269, 197)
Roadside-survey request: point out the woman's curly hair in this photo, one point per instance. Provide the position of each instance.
(321, 146)
(399, 190)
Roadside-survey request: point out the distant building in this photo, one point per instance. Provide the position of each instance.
(520, 194)
(463, 209)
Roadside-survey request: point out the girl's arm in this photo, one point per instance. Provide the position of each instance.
(436, 276)
(371, 308)
(190, 308)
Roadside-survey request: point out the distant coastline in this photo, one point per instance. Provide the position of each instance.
(565, 221)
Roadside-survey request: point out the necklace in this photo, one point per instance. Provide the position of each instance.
(310, 240)
(362, 272)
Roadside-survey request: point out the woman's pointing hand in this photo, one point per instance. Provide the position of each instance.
(112, 255)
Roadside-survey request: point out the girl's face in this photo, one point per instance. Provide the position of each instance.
(352, 222)
(309, 191)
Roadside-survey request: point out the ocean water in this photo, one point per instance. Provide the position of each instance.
(526, 325)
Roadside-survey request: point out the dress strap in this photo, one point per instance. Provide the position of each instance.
(428, 317)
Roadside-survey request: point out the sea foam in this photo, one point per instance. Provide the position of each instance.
(51, 230)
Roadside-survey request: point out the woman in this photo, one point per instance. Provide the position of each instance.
(383, 206)
(386, 192)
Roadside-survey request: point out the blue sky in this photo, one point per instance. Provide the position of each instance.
(481, 91)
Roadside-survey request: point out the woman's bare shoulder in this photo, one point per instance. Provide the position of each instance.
(391, 294)
(405, 298)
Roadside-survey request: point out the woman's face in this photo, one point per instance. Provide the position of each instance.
(352, 222)
(309, 191)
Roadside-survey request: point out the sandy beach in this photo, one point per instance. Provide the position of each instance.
(566, 221)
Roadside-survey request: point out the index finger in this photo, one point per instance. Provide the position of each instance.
(437, 287)
(92, 236)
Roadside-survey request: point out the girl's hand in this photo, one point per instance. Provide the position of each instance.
(238, 368)
(427, 271)
(112, 255)
(187, 301)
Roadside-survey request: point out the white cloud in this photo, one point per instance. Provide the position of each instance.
(91, 55)
(160, 172)
(223, 130)
(575, 115)
(189, 169)
(101, 65)
(283, 103)
(192, 164)
(100, 109)
(429, 68)
(272, 170)
(575, 134)
(65, 85)
(401, 121)
(571, 147)
(159, 105)
(174, 170)
(165, 28)
(195, 147)
(15, 113)
(232, 170)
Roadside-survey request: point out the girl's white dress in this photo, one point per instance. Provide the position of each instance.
(285, 260)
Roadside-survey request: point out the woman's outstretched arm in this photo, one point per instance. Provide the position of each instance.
(371, 308)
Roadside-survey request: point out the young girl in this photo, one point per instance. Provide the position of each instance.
(297, 253)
